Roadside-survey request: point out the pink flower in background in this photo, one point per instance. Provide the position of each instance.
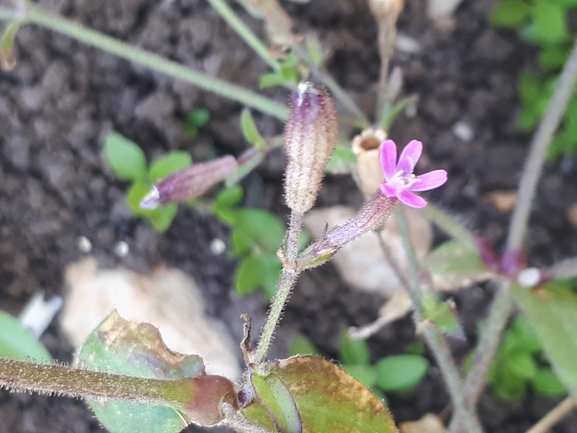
(400, 182)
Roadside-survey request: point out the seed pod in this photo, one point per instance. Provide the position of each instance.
(190, 182)
(310, 134)
(366, 147)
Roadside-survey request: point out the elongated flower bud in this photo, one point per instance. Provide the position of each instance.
(310, 134)
(371, 217)
(189, 182)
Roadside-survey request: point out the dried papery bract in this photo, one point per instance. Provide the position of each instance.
(190, 182)
(311, 134)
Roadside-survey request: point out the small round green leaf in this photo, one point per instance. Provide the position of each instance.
(354, 352)
(365, 374)
(301, 345)
(168, 164)
(401, 372)
(548, 384)
(250, 131)
(125, 157)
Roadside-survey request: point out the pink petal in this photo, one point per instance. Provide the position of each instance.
(388, 155)
(410, 155)
(430, 180)
(412, 200)
(388, 190)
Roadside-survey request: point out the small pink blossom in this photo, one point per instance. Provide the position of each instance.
(400, 182)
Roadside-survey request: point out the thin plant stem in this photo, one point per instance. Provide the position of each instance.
(336, 90)
(453, 379)
(414, 286)
(433, 335)
(496, 322)
(501, 307)
(73, 382)
(541, 140)
(451, 226)
(155, 62)
(252, 40)
(293, 235)
(285, 285)
(553, 416)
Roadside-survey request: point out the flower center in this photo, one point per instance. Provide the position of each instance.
(403, 180)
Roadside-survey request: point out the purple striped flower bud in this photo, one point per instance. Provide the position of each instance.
(310, 134)
(189, 182)
(372, 216)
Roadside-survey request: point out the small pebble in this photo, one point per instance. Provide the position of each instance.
(463, 131)
(217, 247)
(121, 249)
(84, 245)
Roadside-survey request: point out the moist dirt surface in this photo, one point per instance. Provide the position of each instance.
(63, 97)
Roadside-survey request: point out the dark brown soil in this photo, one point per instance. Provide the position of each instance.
(63, 97)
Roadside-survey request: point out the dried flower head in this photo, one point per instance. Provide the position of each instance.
(400, 182)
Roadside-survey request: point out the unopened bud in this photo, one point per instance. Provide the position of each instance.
(371, 217)
(311, 134)
(189, 182)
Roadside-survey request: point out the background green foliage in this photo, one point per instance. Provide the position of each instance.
(543, 23)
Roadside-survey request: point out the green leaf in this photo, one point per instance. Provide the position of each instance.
(161, 218)
(551, 312)
(301, 345)
(134, 196)
(328, 399)
(522, 365)
(509, 387)
(196, 119)
(354, 352)
(443, 315)
(278, 402)
(125, 157)
(168, 164)
(510, 13)
(264, 230)
(228, 197)
(342, 159)
(401, 372)
(365, 374)
(553, 56)
(250, 131)
(122, 347)
(550, 22)
(271, 79)
(315, 49)
(547, 383)
(257, 270)
(17, 342)
(453, 264)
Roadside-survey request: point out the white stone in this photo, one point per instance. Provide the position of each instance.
(168, 298)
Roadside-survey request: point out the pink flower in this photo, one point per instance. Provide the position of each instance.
(400, 182)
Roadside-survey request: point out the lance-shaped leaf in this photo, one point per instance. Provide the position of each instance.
(17, 342)
(122, 347)
(327, 398)
(551, 311)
